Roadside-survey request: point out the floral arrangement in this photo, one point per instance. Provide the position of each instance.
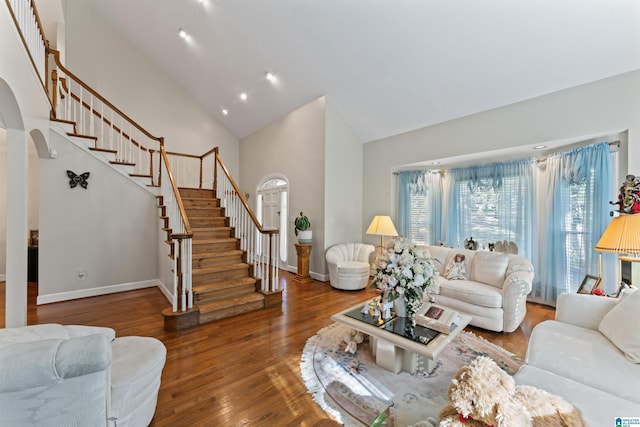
(403, 270)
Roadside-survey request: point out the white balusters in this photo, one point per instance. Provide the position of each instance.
(27, 23)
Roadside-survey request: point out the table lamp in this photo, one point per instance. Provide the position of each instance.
(622, 236)
(382, 226)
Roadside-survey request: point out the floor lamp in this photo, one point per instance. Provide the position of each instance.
(622, 236)
(382, 226)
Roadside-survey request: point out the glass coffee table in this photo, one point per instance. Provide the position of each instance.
(397, 343)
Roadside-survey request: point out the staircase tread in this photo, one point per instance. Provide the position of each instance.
(140, 175)
(103, 150)
(221, 227)
(216, 254)
(115, 162)
(218, 268)
(225, 284)
(215, 240)
(78, 135)
(199, 198)
(230, 302)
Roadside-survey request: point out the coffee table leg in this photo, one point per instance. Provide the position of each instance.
(388, 356)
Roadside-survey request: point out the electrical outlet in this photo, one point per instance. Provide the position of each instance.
(81, 274)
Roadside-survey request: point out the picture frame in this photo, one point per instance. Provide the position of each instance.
(589, 283)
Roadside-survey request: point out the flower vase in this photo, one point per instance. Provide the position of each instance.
(400, 307)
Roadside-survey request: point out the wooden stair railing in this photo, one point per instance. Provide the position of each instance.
(27, 20)
(261, 245)
(194, 171)
(74, 101)
(181, 236)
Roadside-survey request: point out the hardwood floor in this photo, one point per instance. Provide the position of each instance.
(240, 371)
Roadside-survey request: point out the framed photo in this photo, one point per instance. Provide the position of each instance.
(589, 283)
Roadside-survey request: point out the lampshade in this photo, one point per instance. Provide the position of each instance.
(382, 226)
(622, 235)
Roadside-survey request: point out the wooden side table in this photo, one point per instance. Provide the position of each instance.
(303, 251)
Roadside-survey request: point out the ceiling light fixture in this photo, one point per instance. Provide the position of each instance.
(270, 77)
(539, 147)
(183, 34)
(243, 96)
(225, 112)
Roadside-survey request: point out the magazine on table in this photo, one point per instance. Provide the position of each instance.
(436, 318)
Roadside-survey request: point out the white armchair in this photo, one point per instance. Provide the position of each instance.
(349, 265)
(54, 375)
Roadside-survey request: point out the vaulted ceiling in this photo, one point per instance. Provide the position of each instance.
(388, 66)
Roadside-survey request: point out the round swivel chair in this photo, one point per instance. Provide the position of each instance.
(349, 265)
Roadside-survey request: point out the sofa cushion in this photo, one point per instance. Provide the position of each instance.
(598, 408)
(620, 325)
(489, 268)
(471, 292)
(583, 355)
(353, 268)
(135, 379)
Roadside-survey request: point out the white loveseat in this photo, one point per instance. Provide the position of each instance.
(589, 355)
(496, 290)
(54, 375)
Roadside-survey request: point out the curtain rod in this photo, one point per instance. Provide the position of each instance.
(441, 171)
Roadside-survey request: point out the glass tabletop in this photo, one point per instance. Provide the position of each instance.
(350, 387)
(401, 326)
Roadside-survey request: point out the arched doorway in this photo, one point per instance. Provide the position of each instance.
(272, 201)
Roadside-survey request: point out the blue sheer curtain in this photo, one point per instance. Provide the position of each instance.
(569, 222)
(420, 183)
(511, 186)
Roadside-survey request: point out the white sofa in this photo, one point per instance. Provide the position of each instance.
(349, 266)
(589, 355)
(496, 290)
(54, 375)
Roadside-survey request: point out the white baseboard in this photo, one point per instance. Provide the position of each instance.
(316, 276)
(102, 290)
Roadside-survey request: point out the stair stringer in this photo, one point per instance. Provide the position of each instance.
(63, 129)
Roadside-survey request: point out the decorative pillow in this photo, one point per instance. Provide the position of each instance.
(620, 326)
(455, 269)
(489, 268)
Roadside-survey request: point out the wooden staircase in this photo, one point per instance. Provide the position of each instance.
(222, 280)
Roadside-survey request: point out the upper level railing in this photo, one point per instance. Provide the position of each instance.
(261, 245)
(25, 16)
(74, 101)
(194, 171)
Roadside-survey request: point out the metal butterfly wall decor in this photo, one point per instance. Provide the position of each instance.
(75, 179)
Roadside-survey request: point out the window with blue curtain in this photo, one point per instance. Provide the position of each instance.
(419, 207)
(492, 202)
(575, 214)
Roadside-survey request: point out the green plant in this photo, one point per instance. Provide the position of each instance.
(302, 223)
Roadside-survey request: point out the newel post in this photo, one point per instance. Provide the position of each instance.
(54, 93)
(215, 168)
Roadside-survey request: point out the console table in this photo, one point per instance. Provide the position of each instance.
(303, 251)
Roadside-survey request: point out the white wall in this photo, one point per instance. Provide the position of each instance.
(604, 107)
(32, 207)
(343, 181)
(104, 60)
(295, 147)
(109, 230)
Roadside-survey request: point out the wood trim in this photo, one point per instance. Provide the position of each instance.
(43, 79)
(242, 199)
(176, 193)
(56, 55)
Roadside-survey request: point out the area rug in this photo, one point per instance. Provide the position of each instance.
(352, 384)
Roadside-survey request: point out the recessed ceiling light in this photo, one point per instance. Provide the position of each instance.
(270, 77)
(225, 111)
(243, 96)
(183, 34)
(435, 163)
(539, 147)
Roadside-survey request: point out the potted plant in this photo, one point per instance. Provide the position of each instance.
(302, 229)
